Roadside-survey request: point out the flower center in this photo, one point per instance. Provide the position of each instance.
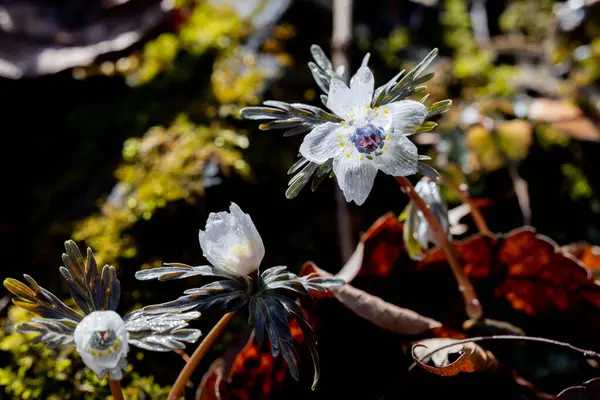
(103, 343)
(368, 140)
(102, 340)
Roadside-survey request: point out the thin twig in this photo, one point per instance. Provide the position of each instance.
(585, 352)
(199, 353)
(462, 192)
(115, 389)
(472, 305)
(342, 34)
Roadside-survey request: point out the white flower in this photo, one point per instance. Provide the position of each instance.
(231, 242)
(102, 342)
(367, 140)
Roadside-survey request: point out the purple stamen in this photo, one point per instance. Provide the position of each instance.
(368, 139)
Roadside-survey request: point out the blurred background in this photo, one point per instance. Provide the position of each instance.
(121, 128)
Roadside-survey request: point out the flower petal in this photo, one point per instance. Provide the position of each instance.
(321, 143)
(355, 177)
(103, 343)
(362, 85)
(399, 159)
(338, 99)
(230, 241)
(407, 115)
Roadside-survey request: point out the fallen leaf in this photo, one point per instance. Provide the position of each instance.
(452, 360)
(375, 246)
(588, 254)
(550, 110)
(374, 309)
(580, 129)
(566, 117)
(590, 390)
(210, 386)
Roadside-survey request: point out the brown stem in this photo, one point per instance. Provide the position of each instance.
(183, 355)
(462, 192)
(341, 36)
(115, 389)
(472, 304)
(199, 353)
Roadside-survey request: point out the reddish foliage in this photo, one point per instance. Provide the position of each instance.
(383, 245)
(588, 254)
(254, 374)
(530, 270)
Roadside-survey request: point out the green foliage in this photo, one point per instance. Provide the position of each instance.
(206, 27)
(164, 166)
(579, 187)
(35, 372)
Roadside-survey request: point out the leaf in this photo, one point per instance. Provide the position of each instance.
(39, 301)
(91, 289)
(379, 312)
(210, 385)
(590, 390)
(565, 116)
(580, 129)
(466, 357)
(377, 249)
(53, 333)
(161, 332)
(172, 271)
(588, 254)
(550, 110)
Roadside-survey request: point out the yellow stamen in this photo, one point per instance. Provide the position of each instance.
(388, 139)
(116, 346)
(385, 148)
(342, 122)
(342, 144)
(362, 157)
(100, 354)
(109, 351)
(386, 111)
(348, 155)
(93, 353)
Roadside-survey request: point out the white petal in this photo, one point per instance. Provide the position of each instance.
(362, 85)
(321, 143)
(355, 177)
(339, 99)
(110, 356)
(231, 241)
(399, 159)
(407, 115)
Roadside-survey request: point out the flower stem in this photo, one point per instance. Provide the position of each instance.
(199, 353)
(472, 305)
(462, 192)
(585, 352)
(115, 389)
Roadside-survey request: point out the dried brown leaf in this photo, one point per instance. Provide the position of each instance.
(381, 313)
(471, 357)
